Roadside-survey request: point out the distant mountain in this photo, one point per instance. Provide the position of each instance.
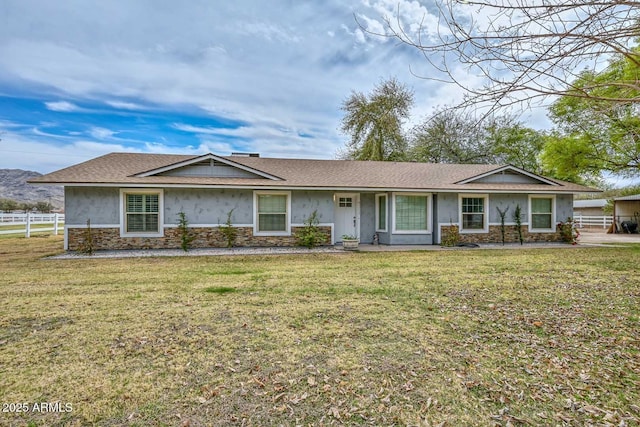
(13, 185)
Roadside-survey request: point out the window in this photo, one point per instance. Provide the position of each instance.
(381, 212)
(345, 202)
(142, 213)
(473, 213)
(411, 213)
(541, 213)
(272, 213)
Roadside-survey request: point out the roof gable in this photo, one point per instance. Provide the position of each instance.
(208, 166)
(508, 175)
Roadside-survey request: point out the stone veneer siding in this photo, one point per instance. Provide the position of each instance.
(209, 237)
(495, 236)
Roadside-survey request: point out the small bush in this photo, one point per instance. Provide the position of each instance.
(451, 237)
(310, 234)
(87, 246)
(228, 231)
(517, 217)
(569, 232)
(185, 236)
(503, 214)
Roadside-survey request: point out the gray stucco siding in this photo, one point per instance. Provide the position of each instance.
(303, 203)
(509, 202)
(208, 206)
(564, 207)
(98, 204)
(367, 217)
(411, 239)
(447, 208)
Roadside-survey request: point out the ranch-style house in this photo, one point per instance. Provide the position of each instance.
(134, 200)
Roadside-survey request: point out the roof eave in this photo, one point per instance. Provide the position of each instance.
(442, 189)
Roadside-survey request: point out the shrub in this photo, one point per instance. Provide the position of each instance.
(228, 231)
(503, 214)
(310, 234)
(185, 236)
(569, 232)
(517, 217)
(452, 237)
(87, 243)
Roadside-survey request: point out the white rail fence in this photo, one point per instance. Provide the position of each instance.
(9, 220)
(601, 221)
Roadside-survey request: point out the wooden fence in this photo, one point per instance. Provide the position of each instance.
(9, 221)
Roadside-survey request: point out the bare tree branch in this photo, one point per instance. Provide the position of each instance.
(525, 50)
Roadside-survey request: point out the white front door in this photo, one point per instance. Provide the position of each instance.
(346, 219)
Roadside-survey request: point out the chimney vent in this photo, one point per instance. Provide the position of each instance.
(246, 154)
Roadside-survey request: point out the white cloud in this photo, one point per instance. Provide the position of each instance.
(22, 152)
(101, 133)
(195, 129)
(373, 27)
(281, 69)
(268, 31)
(404, 16)
(124, 105)
(62, 106)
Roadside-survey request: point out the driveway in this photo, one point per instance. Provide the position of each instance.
(598, 237)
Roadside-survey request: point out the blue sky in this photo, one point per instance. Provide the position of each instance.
(80, 78)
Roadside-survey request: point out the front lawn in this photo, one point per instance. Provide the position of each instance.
(469, 337)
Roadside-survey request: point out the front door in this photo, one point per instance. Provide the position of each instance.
(346, 219)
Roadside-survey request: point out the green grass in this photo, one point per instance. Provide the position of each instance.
(482, 337)
(219, 289)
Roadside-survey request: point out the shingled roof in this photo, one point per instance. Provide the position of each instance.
(134, 169)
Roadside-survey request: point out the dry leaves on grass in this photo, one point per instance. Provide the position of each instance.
(474, 338)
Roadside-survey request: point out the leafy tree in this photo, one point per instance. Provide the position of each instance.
(450, 136)
(569, 158)
(596, 130)
(44, 207)
(518, 145)
(524, 50)
(454, 136)
(8, 205)
(374, 122)
(26, 206)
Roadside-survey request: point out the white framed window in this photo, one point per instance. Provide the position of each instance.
(542, 212)
(411, 213)
(381, 212)
(474, 210)
(141, 213)
(272, 213)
